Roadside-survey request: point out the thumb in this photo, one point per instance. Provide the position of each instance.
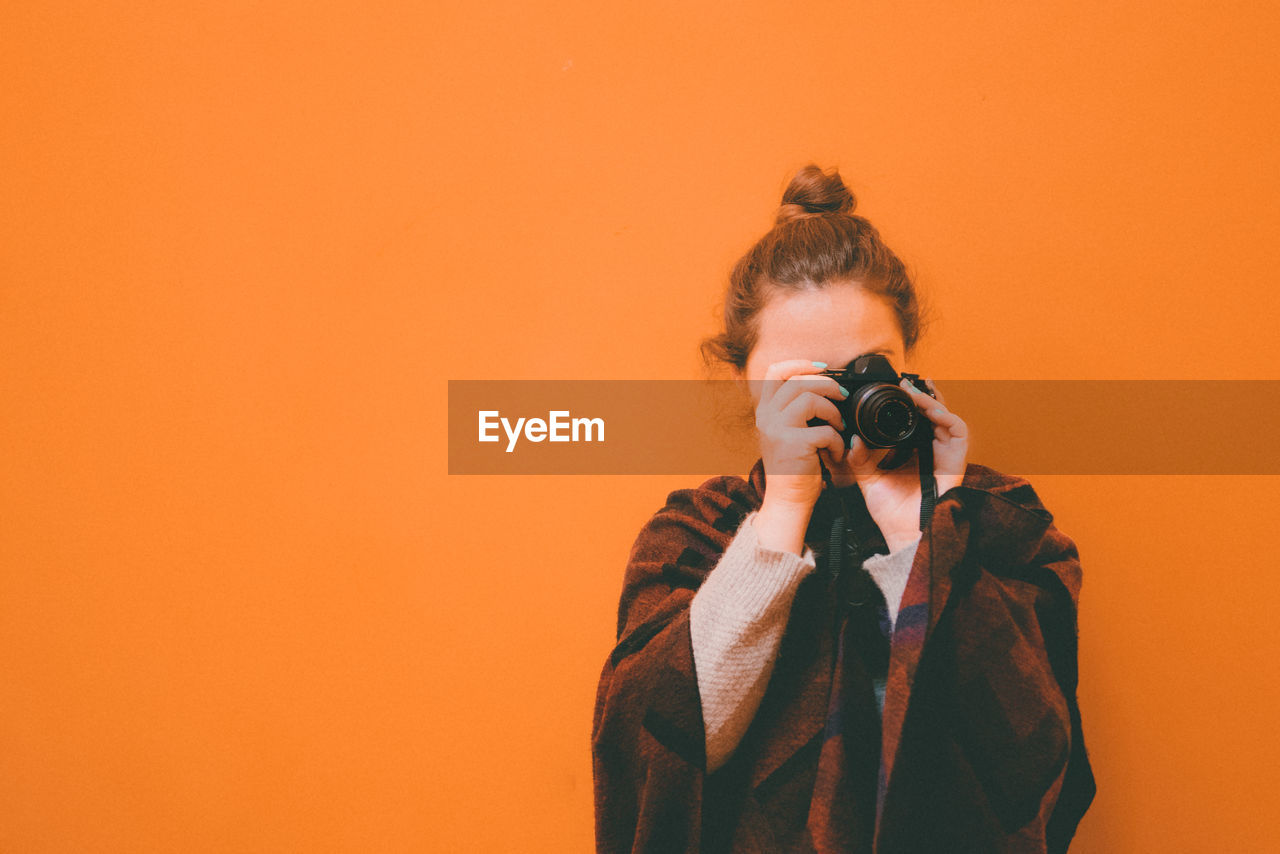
(859, 455)
(863, 459)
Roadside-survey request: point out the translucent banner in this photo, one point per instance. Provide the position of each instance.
(1024, 427)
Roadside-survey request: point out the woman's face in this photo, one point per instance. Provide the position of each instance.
(833, 324)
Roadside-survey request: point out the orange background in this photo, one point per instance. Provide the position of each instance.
(244, 608)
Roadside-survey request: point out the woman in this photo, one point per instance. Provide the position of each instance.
(805, 661)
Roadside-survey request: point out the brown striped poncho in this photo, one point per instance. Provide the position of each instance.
(980, 748)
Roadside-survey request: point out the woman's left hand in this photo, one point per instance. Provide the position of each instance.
(893, 497)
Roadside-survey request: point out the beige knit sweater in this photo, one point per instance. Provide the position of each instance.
(737, 619)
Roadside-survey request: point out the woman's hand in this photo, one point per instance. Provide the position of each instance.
(792, 393)
(893, 497)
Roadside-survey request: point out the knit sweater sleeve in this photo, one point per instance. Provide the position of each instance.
(736, 622)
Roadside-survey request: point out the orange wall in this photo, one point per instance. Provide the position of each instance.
(243, 249)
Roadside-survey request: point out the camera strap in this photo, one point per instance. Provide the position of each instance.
(839, 528)
(928, 483)
(841, 538)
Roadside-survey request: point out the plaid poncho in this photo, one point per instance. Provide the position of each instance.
(980, 747)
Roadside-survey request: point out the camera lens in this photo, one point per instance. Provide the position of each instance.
(885, 416)
(893, 419)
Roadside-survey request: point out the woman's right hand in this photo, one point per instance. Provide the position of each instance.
(791, 393)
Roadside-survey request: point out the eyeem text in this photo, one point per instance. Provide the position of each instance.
(558, 427)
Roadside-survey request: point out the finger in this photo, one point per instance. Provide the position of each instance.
(920, 396)
(805, 441)
(950, 425)
(949, 421)
(798, 384)
(929, 384)
(917, 395)
(808, 406)
(862, 458)
(826, 438)
(780, 372)
(935, 409)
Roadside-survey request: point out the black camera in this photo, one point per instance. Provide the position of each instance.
(877, 408)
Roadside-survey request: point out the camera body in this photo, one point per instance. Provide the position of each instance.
(877, 408)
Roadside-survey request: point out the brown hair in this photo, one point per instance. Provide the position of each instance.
(816, 240)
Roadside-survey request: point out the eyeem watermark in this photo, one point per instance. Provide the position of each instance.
(558, 427)
(1023, 427)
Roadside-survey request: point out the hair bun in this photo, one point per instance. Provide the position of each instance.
(813, 192)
